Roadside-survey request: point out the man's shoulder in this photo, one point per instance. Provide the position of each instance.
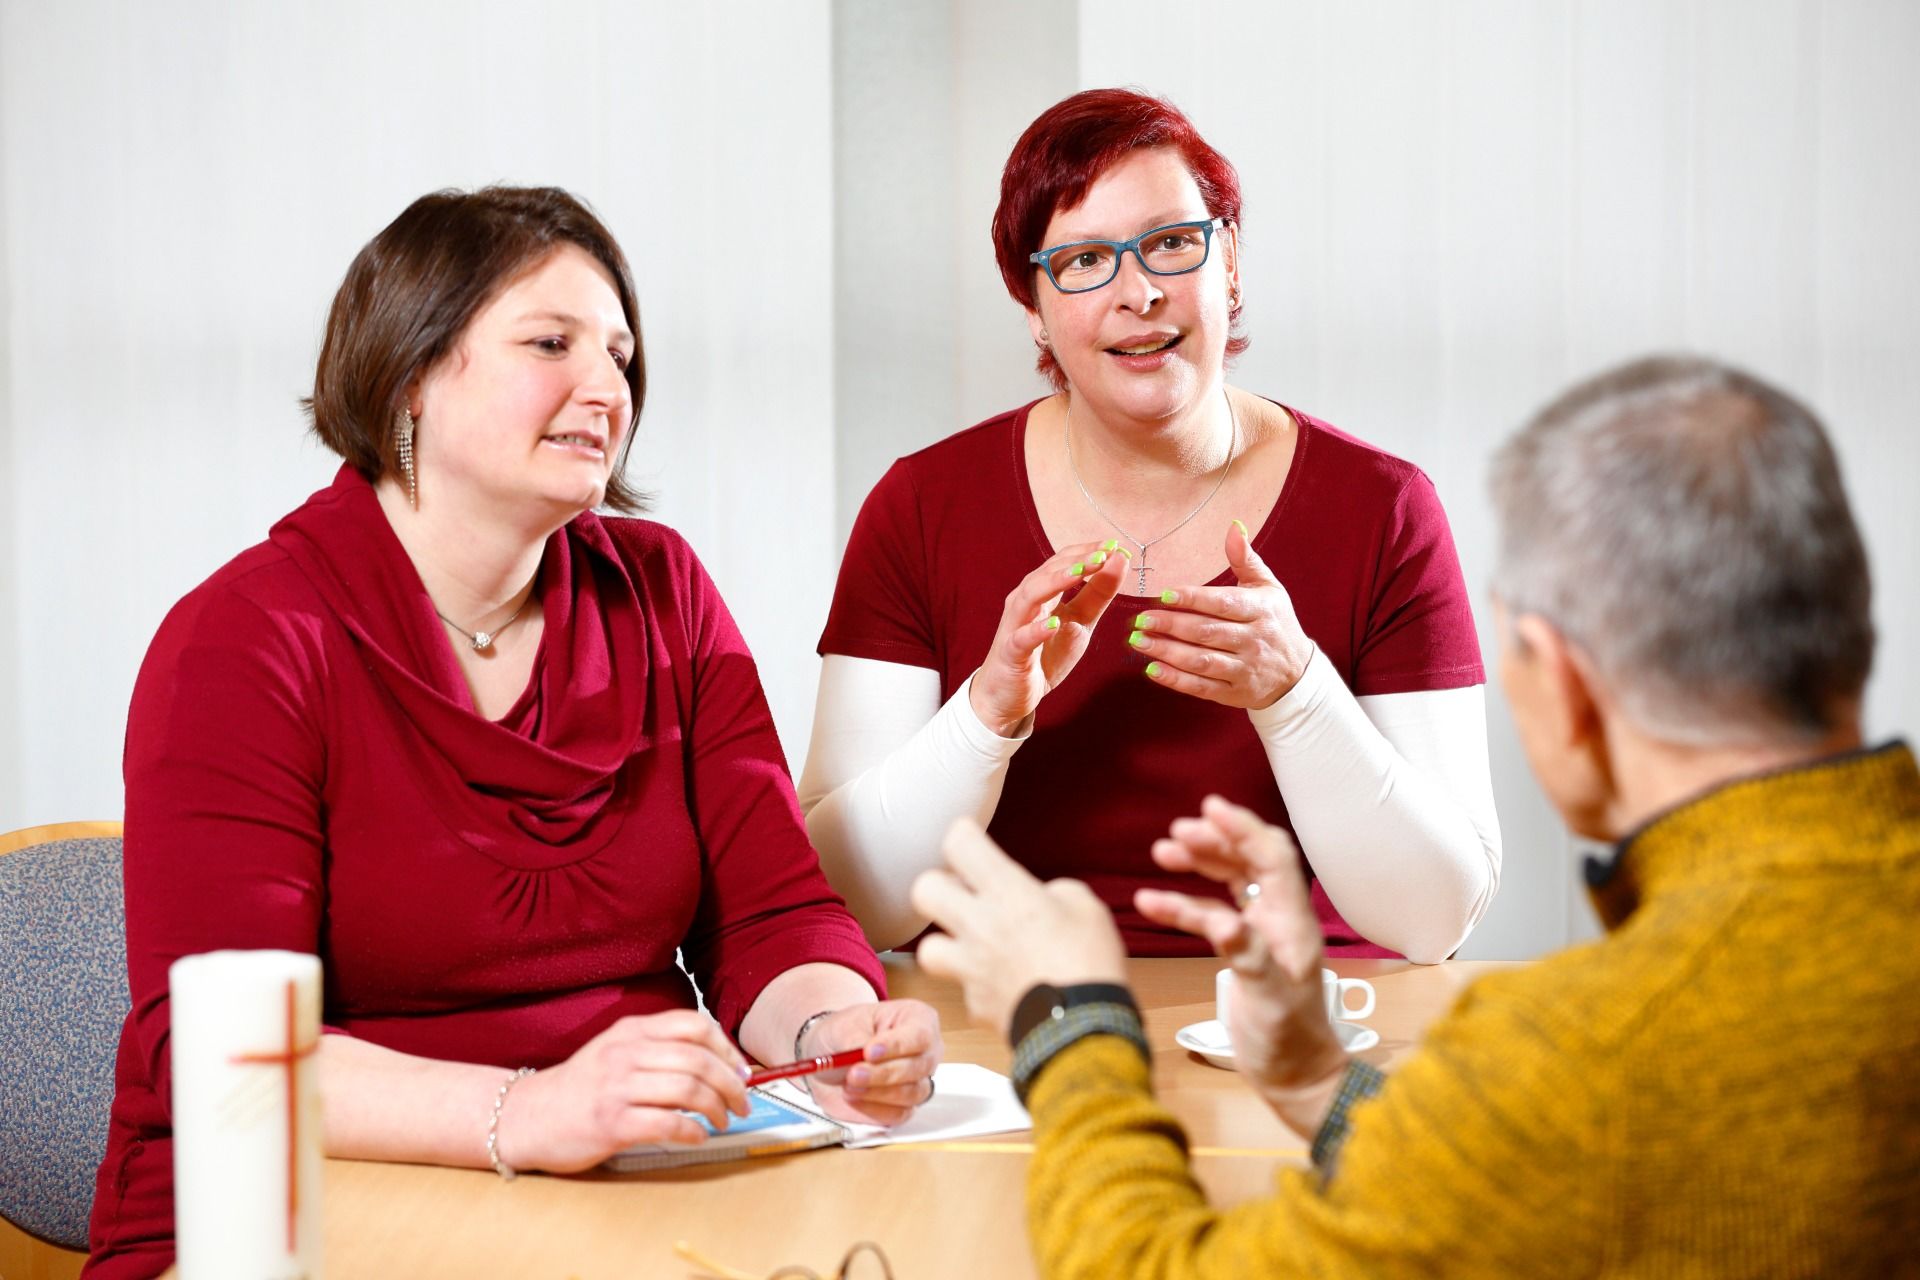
(1588, 1002)
(1640, 988)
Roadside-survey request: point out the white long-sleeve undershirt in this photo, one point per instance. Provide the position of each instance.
(1390, 795)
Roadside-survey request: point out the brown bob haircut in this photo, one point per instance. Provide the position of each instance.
(414, 288)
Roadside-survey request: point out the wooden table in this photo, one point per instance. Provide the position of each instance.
(938, 1210)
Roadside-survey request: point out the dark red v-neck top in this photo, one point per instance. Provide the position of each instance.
(305, 770)
(1359, 540)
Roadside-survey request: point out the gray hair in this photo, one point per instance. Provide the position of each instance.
(1683, 523)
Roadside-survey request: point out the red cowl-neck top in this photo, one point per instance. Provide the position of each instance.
(305, 769)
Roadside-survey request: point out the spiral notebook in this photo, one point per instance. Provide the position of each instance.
(772, 1128)
(969, 1101)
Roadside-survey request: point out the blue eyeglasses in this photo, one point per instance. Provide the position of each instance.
(1172, 250)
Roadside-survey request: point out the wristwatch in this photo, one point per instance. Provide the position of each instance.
(1049, 1018)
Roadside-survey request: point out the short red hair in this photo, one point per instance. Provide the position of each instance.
(1064, 152)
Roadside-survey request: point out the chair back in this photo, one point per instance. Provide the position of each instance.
(63, 998)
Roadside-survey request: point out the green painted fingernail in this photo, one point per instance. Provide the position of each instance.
(1099, 558)
(1169, 597)
(1243, 530)
(1123, 551)
(1077, 570)
(1153, 670)
(1053, 624)
(1136, 639)
(1111, 544)
(1143, 622)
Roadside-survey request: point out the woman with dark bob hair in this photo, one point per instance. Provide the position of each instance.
(1075, 619)
(491, 756)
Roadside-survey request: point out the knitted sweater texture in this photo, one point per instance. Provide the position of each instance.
(1727, 1084)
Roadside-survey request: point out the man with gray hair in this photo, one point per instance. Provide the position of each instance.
(1684, 525)
(1724, 1084)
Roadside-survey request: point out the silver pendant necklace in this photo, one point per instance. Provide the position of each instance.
(1140, 566)
(483, 640)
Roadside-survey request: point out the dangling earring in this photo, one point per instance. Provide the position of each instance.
(403, 437)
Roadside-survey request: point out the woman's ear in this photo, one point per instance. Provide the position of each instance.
(1037, 325)
(1230, 248)
(410, 392)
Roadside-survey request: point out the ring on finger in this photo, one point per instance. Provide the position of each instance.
(1247, 894)
(930, 1091)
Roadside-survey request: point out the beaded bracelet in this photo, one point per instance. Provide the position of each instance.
(501, 1167)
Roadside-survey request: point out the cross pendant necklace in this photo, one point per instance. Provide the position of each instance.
(1140, 565)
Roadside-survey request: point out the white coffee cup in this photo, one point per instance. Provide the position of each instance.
(1334, 990)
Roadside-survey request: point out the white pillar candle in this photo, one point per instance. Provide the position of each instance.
(246, 1115)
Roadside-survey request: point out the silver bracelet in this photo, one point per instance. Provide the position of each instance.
(799, 1037)
(501, 1167)
(806, 1082)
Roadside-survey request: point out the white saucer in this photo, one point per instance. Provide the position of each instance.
(1209, 1039)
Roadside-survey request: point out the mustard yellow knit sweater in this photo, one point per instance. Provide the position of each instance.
(1728, 1084)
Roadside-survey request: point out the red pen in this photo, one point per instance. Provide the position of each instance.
(807, 1066)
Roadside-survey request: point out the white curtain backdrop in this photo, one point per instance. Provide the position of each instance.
(184, 185)
(1453, 209)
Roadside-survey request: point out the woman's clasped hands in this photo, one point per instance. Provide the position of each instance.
(903, 1046)
(633, 1083)
(1241, 646)
(645, 1078)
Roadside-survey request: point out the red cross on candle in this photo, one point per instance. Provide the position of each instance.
(288, 1058)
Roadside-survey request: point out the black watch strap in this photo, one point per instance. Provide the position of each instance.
(1049, 1018)
(1044, 1001)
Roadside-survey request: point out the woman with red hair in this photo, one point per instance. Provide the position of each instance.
(1073, 620)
